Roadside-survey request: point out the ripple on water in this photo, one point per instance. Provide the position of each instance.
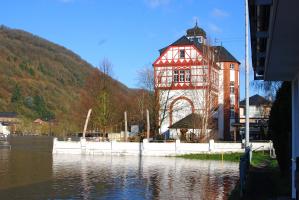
(36, 174)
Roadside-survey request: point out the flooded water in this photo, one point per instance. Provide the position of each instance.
(30, 171)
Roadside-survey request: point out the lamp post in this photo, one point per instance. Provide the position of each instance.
(246, 77)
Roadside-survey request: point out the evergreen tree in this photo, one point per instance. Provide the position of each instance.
(16, 95)
(280, 125)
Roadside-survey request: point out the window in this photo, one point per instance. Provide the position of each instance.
(199, 39)
(188, 76)
(182, 53)
(232, 100)
(232, 66)
(232, 112)
(232, 87)
(175, 76)
(232, 90)
(182, 75)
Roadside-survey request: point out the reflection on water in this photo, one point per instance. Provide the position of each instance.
(33, 173)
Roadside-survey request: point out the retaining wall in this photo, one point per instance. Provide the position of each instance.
(147, 148)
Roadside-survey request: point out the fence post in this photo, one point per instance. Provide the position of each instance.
(211, 145)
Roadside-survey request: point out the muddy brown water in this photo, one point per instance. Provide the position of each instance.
(30, 171)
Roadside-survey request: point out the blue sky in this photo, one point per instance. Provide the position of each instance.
(127, 32)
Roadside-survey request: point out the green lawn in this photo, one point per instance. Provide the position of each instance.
(233, 157)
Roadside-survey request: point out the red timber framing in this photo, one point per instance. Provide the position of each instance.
(171, 56)
(190, 71)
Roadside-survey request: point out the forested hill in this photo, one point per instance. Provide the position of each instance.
(41, 79)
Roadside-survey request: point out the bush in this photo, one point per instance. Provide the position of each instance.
(280, 126)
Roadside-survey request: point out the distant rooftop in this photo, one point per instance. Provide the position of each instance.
(256, 100)
(8, 114)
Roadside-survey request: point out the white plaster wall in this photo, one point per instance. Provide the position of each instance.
(232, 75)
(149, 149)
(196, 96)
(220, 102)
(181, 108)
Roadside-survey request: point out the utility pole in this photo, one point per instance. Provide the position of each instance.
(148, 124)
(246, 76)
(126, 126)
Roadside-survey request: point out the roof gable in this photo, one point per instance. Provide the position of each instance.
(171, 55)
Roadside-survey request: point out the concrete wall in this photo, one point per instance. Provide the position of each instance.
(148, 148)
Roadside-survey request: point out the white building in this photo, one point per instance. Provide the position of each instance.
(192, 76)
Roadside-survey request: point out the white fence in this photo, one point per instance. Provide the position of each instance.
(147, 148)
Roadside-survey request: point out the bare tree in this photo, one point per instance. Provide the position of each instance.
(268, 87)
(156, 100)
(206, 98)
(103, 105)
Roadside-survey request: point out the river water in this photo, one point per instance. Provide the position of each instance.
(30, 171)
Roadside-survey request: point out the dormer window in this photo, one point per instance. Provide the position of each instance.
(182, 53)
(199, 39)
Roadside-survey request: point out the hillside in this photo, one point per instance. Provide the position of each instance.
(42, 79)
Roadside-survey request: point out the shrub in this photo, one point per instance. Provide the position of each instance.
(280, 125)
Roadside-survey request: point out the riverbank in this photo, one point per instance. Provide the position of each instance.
(232, 157)
(264, 180)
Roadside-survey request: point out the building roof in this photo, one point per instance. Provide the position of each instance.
(196, 31)
(8, 114)
(183, 41)
(256, 100)
(39, 121)
(223, 55)
(189, 122)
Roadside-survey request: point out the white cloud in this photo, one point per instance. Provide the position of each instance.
(214, 28)
(216, 12)
(157, 3)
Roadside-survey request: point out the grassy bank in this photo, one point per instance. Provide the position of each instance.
(233, 157)
(264, 180)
